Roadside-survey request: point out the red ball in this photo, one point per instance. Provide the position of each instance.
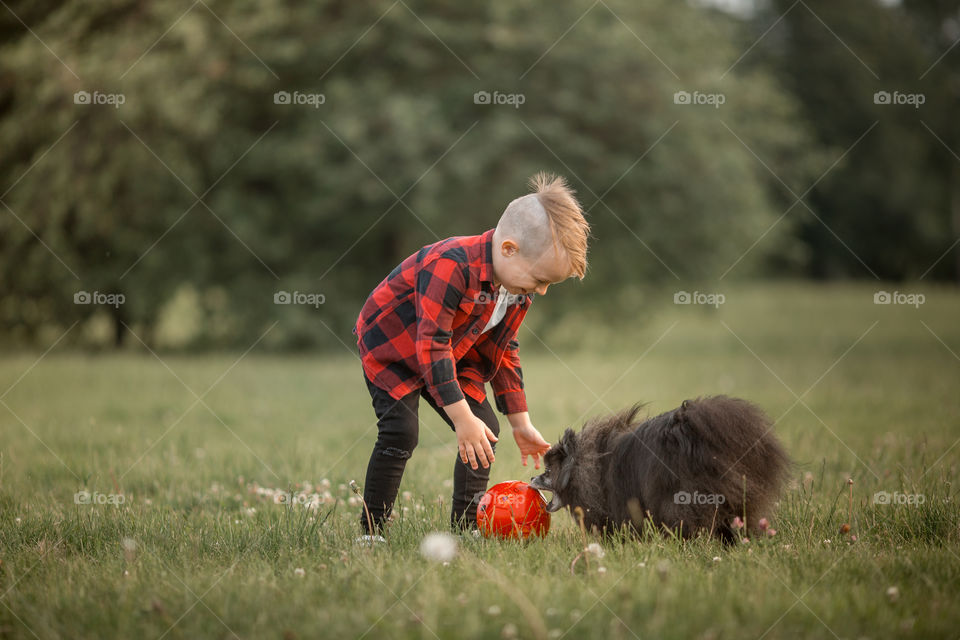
(512, 510)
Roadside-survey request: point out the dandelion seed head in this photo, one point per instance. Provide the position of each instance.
(439, 546)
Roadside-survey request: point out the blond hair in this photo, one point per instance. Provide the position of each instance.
(567, 224)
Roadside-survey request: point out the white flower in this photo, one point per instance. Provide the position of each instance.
(128, 544)
(439, 546)
(595, 549)
(716, 558)
(601, 569)
(299, 572)
(893, 594)
(494, 610)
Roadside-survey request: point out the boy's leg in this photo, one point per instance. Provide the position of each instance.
(398, 431)
(469, 485)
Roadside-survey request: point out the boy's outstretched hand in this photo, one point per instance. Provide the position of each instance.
(529, 440)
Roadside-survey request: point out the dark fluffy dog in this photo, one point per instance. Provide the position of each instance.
(690, 470)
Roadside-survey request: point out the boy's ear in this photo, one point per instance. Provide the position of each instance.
(508, 248)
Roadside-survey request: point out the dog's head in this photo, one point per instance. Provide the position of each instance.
(559, 463)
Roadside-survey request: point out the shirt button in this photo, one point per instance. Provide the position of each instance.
(476, 331)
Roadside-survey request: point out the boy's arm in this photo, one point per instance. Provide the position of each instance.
(439, 289)
(508, 382)
(510, 398)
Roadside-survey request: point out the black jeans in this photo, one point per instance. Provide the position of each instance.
(399, 428)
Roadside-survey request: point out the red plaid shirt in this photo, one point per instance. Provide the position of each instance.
(421, 326)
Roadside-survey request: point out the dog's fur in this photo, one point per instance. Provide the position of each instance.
(623, 471)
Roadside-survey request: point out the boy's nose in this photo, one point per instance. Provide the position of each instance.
(542, 289)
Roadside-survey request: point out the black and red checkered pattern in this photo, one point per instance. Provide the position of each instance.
(421, 326)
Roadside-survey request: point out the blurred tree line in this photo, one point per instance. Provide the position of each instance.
(201, 159)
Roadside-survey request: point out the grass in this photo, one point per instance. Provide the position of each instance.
(196, 551)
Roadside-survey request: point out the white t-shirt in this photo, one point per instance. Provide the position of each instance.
(499, 311)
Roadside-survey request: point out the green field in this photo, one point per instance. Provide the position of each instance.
(861, 391)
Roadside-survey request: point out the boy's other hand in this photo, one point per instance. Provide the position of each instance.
(531, 443)
(473, 440)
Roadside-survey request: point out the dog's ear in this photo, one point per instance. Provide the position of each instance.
(568, 444)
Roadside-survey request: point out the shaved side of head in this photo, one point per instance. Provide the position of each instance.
(526, 222)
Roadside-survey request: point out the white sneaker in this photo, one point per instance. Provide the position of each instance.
(371, 540)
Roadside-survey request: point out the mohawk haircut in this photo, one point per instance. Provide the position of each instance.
(567, 224)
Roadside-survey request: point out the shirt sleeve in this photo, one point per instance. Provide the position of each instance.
(439, 289)
(508, 382)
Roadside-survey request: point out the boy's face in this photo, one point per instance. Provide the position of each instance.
(521, 275)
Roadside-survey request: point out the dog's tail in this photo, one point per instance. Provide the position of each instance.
(735, 444)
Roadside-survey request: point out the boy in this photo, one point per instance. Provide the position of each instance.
(443, 323)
